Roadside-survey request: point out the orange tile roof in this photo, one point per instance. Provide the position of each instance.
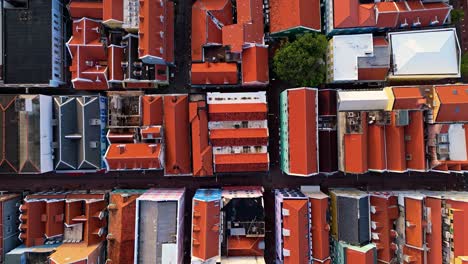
(87, 52)
(121, 236)
(415, 143)
(121, 137)
(72, 253)
(414, 230)
(453, 103)
(359, 257)
(156, 31)
(319, 229)
(414, 255)
(459, 209)
(233, 36)
(204, 29)
(214, 73)
(112, 12)
(352, 14)
(387, 14)
(205, 229)
(241, 162)
(32, 228)
(355, 150)
(152, 108)
(297, 222)
(379, 41)
(177, 138)
(237, 112)
(425, 13)
(202, 155)
(168, 43)
(434, 238)
(302, 127)
(151, 132)
(372, 74)
(349, 13)
(386, 212)
(386, 7)
(9, 161)
(134, 156)
(287, 15)
(255, 65)
(93, 224)
(395, 146)
(408, 98)
(80, 9)
(355, 153)
(250, 14)
(239, 137)
(244, 246)
(376, 148)
(114, 57)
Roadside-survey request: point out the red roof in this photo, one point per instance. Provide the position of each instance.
(302, 127)
(241, 162)
(379, 42)
(360, 257)
(152, 108)
(249, 27)
(121, 236)
(176, 134)
(239, 137)
(387, 14)
(351, 14)
(212, 25)
(202, 156)
(408, 98)
(205, 229)
(386, 213)
(204, 29)
(415, 142)
(376, 151)
(290, 14)
(152, 132)
(389, 147)
(214, 73)
(355, 150)
(114, 57)
(319, 229)
(156, 31)
(297, 223)
(134, 156)
(237, 112)
(255, 66)
(87, 53)
(9, 159)
(112, 12)
(79, 9)
(453, 103)
(372, 74)
(395, 146)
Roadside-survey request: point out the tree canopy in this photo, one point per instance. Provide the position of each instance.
(302, 61)
(457, 15)
(464, 66)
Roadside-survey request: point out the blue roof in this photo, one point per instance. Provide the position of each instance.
(208, 194)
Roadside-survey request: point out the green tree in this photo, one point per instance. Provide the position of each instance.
(302, 62)
(464, 66)
(457, 15)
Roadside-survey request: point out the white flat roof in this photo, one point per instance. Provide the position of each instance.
(425, 52)
(346, 51)
(362, 100)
